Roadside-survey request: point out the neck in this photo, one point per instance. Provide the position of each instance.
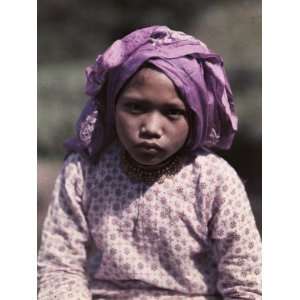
(150, 173)
(150, 167)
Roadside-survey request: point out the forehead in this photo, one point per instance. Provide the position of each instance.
(150, 84)
(146, 73)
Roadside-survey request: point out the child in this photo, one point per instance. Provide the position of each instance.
(142, 208)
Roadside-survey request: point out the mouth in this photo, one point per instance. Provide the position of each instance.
(149, 147)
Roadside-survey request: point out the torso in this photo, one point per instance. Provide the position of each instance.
(151, 236)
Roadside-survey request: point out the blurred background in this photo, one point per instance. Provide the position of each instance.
(72, 32)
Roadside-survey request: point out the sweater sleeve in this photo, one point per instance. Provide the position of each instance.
(236, 240)
(62, 256)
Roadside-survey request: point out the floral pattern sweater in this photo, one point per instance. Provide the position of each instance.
(105, 236)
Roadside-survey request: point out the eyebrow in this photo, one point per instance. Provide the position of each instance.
(172, 104)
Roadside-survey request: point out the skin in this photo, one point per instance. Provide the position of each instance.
(151, 118)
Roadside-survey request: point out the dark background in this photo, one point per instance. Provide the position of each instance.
(72, 32)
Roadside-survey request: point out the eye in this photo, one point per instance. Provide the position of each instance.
(134, 108)
(174, 113)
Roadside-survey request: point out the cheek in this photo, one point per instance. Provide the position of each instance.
(181, 131)
(179, 136)
(125, 126)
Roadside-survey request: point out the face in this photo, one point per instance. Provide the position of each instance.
(151, 119)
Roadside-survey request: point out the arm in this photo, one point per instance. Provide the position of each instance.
(62, 256)
(236, 241)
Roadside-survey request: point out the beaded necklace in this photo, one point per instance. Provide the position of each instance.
(136, 171)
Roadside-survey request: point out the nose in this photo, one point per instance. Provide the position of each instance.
(152, 126)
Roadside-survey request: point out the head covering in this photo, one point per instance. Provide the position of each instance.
(195, 70)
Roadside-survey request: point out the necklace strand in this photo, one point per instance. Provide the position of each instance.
(135, 171)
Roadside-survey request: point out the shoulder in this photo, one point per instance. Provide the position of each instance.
(214, 169)
(206, 160)
(73, 159)
(74, 164)
(111, 153)
(220, 184)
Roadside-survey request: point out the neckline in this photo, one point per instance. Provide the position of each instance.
(138, 172)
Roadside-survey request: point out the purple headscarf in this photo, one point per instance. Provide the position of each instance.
(196, 71)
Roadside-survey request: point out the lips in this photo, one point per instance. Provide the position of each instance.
(149, 147)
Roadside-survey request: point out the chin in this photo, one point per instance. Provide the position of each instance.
(146, 159)
(148, 162)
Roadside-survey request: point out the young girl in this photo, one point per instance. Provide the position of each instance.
(142, 208)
